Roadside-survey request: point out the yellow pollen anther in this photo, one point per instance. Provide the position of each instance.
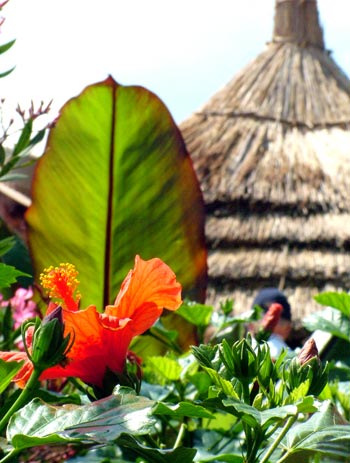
(61, 283)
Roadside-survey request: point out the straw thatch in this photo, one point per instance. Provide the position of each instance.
(272, 153)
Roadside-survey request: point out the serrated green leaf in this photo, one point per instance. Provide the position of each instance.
(197, 314)
(329, 320)
(223, 384)
(116, 181)
(307, 405)
(182, 409)
(319, 432)
(256, 418)
(99, 422)
(167, 368)
(339, 301)
(226, 355)
(299, 392)
(331, 441)
(9, 275)
(205, 354)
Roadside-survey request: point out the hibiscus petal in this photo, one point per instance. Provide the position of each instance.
(85, 329)
(87, 358)
(150, 281)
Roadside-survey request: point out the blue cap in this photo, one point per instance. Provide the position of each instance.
(268, 296)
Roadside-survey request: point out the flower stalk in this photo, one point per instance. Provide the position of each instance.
(26, 395)
(289, 423)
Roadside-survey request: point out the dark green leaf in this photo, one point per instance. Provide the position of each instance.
(18, 257)
(10, 164)
(24, 138)
(6, 244)
(152, 455)
(37, 138)
(9, 275)
(6, 46)
(256, 418)
(6, 73)
(182, 409)
(2, 155)
(228, 458)
(217, 446)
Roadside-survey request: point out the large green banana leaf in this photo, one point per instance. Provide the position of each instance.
(115, 181)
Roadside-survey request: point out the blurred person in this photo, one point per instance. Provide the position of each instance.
(281, 330)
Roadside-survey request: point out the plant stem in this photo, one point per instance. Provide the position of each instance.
(9, 457)
(22, 398)
(289, 423)
(255, 445)
(180, 436)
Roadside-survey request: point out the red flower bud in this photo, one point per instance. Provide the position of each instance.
(308, 351)
(272, 317)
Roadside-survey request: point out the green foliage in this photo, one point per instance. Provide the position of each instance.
(119, 184)
(7, 371)
(334, 325)
(198, 314)
(177, 455)
(3, 48)
(227, 402)
(339, 301)
(99, 422)
(321, 434)
(6, 245)
(9, 275)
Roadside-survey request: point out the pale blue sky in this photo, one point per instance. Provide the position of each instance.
(182, 50)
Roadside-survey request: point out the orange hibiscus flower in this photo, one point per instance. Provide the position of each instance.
(101, 340)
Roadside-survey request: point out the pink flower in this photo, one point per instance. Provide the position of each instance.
(22, 306)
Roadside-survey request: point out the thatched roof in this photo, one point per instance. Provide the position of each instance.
(272, 153)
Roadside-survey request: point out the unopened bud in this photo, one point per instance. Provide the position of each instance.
(49, 346)
(308, 351)
(307, 367)
(55, 314)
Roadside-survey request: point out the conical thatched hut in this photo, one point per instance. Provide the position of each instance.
(272, 153)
